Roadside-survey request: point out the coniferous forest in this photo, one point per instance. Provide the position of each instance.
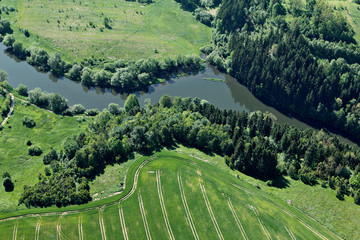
(301, 58)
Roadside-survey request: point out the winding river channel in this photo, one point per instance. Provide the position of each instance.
(227, 94)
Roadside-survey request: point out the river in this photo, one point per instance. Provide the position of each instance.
(229, 94)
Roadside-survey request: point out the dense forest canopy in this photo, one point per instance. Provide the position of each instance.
(300, 57)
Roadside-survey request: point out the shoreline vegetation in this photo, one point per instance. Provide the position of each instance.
(290, 59)
(122, 75)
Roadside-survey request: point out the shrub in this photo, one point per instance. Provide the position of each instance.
(6, 174)
(203, 16)
(115, 109)
(22, 90)
(92, 112)
(26, 33)
(339, 194)
(29, 143)
(8, 184)
(34, 151)
(47, 171)
(28, 122)
(77, 109)
(48, 158)
(357, 198)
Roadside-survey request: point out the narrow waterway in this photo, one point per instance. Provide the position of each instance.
(228, 94)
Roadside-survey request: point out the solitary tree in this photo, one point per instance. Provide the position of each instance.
(8, 184)
(131, 102)
(3, 76)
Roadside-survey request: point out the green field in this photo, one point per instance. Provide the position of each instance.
(137, 29)
(175, 196)
(351, 11)
(50, 131)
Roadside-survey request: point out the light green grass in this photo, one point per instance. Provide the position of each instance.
(111, 181)
(137, 30)
(50, 131)
(220, 186)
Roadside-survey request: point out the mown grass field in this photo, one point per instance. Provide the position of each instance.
(177, 197)
(76, 28)
(50, 131)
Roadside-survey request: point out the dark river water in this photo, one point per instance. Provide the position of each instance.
(228, 94)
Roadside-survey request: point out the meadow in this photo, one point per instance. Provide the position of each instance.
(76, 28)
(177, 196)
(50, 131)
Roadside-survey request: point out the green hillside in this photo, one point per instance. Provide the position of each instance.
(174, 196)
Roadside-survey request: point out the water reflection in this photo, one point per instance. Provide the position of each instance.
(229, 94)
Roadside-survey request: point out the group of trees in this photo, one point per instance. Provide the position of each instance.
(251, 143)
(6, 104)
(122, 75)
(52, 101)
(308, 66)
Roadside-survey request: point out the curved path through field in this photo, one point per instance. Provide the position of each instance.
(11, 108)
(134, 186)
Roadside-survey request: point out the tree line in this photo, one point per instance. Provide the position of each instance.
(126, 76)
(251, 143)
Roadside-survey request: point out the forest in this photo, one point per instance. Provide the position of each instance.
(301, 58)
(251, 143)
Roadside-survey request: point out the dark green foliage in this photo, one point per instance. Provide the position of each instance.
(92, 112)
(22, 90)
(75, 72)
(250, 143)
(28, 142)
(4, 26)
(19, 50)
(28, 122)
(51, 156)
(56, 65)
(9, 41)
(203, 16)
(357, 198)
(286, 65)
(6, 175)
(34, 151)
(3, 76)
(58, 189)
(339, 194)
(5, 107)
(57, 103)
(166, 101)
(131, 103)
(38, 58)
(77, 109)
(47, 171)
(115, 109)
(8, 184)
(26, 33)
(52, 101)
(107, 23)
